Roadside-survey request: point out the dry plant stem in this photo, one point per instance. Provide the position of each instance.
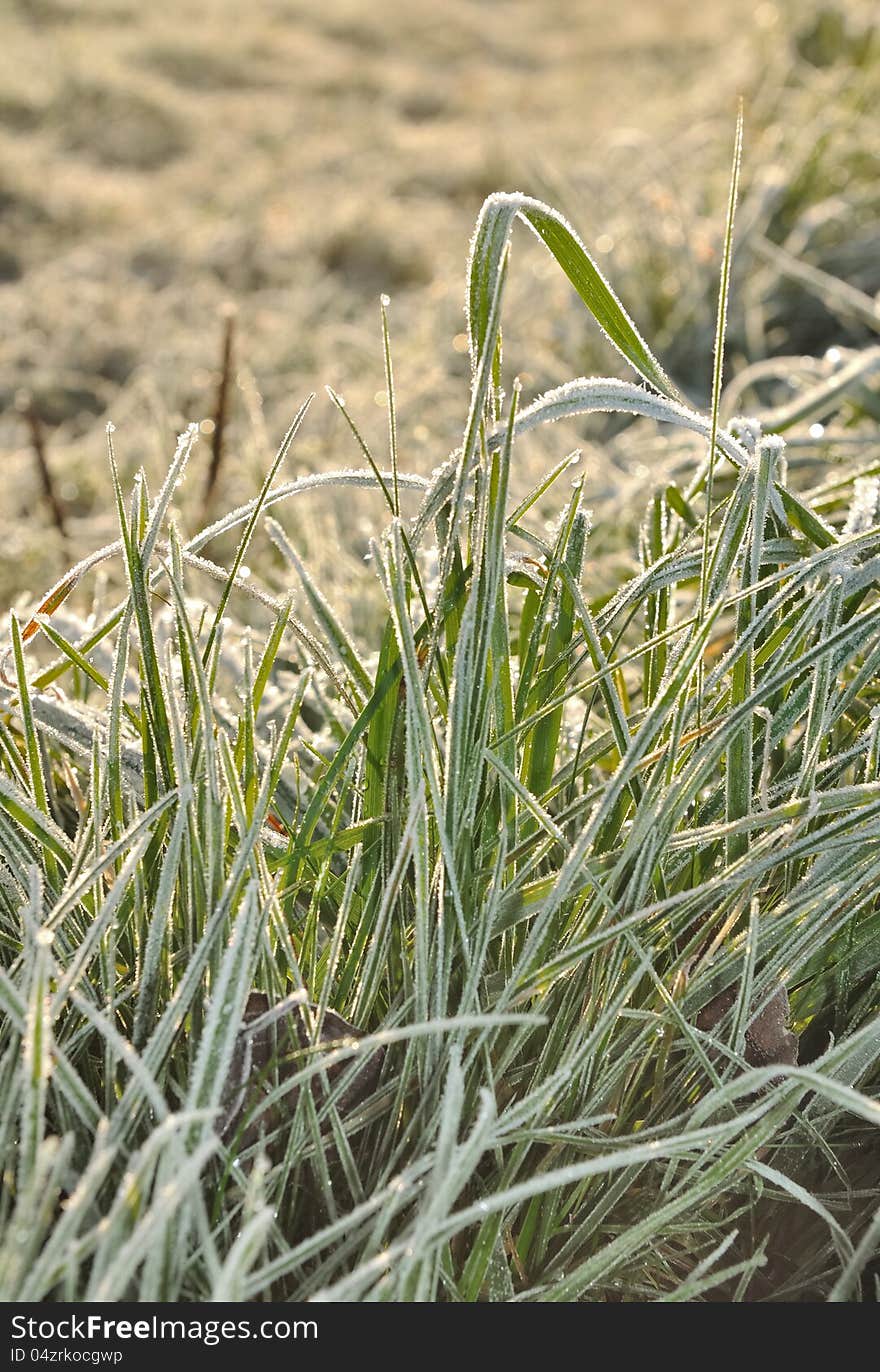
(221, 404)
(47, 481)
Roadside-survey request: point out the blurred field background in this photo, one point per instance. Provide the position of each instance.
(158, 162)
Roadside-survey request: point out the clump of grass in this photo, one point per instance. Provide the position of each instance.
(565, 859)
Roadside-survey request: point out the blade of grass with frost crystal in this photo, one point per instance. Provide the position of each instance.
(180, 1003)
(547, 642)
(393, 575)
(223, 1020)
(270, 651)
(865, 1253)
(482, 369)
(33, 756)
(391, 1197)
(543, 486)
(443, 1028)
(65, 1246)
(246, 754)
(633, 1239)
(816, 732)
(375, 961)
(152, 691)
(399, 480)
(657, 606)
(32, 1216)
(744, 995)
(242, 1256)
(81, 662)
(81, 886)
(422, 922)
(803, 1197)
(12, 759)
(63, 588)
(379, 706)
(384, 302)
(358, 677)
(699, 770)
(118, 1048)
(32, 746)
(703, 1280)
(104, 913)
(471, 681)
(488, 248)
(124, 1206)
(718, 361)
(849, 637)
(377, 722)
(117, 706)
(160, 916)
(483, 965)
(604, 671)
(171, 1199)
(33, 822)
(556, 661)
(269, 602)
(550, 1181)
(350, 477)
(69, 1081)
(728, 548)
(740, 753)
(381, 480)
(256, 509)
(157, 516)
(608, 395)
(561, 887)
(202, 727)
(173, 478)
(37, 1058)
(454, 1165)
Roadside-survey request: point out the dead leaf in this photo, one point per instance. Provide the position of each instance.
(275, 1052)
(768, 1038)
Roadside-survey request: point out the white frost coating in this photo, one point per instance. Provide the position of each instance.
(76, 729)
(173, 478)
(585, 395)
(354, 476)
(748, 431)
(38, 818)
(840, 570)
(864, 510)
(771, 451)
(345, 477)
(497, 215)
